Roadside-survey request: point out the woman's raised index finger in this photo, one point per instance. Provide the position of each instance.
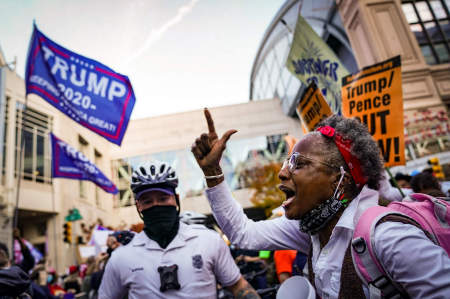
(210, 121)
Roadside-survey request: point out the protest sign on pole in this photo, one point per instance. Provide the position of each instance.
(374, 96)
(85, 90)
(312, 107)
(69, 163)
(311, 60)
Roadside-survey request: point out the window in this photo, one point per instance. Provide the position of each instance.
(124, 171)
(429, 21)
(32, 128)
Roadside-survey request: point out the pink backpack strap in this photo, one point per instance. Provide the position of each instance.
(431, 215)
(441, 207)
(366, 263)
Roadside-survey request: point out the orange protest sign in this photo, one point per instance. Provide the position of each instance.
(312, 107)
(374, 96)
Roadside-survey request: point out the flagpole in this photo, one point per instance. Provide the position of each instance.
(19, 174)
(54, 224)
(287, 26)
(22, 143)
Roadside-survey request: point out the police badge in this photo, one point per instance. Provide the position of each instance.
(197, 261)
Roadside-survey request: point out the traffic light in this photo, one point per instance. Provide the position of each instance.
(437, 168)
(68, 232)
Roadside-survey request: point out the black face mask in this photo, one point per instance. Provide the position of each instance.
(161, 224)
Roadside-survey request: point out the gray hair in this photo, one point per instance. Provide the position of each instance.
(363, 147)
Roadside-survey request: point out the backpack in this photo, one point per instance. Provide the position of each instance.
(430, 214)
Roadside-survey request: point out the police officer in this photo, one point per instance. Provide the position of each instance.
(169, 259)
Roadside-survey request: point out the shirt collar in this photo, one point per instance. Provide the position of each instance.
(185, 233)
(365, 199)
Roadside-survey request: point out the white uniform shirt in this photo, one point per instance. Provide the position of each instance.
(133, 268)
(421, 267)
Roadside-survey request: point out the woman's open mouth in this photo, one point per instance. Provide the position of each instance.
(290, 195)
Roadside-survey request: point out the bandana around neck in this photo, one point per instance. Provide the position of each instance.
(316, 219)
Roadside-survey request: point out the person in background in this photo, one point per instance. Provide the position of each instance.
(86, 285)
(284, 261)
(389, 192)
(28, 261)
(114, 241)
(14, 282)
(72, 283)
(289, 263)
(426, 183)
(39, 282)
(403, 180)
(52, 283)
(96, 278)
(111, 244)
(249, 261)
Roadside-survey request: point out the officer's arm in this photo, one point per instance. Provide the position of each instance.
(243, 290)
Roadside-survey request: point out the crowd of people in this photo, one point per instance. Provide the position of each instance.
(29, 279)
(333, 176)
(263, 272)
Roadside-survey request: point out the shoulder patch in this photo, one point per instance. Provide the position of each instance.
(197, 261)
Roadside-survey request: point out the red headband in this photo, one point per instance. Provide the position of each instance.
(343, 146)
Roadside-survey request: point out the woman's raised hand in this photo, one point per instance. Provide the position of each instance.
(208, 148)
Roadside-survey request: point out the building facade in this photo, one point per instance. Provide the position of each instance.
(362, 33)
(44, 202)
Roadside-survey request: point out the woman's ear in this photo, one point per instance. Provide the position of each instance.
(336, 177)
(346, 180)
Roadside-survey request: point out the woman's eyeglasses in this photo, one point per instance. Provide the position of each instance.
(293, 161)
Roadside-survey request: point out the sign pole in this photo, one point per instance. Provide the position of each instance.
(395, 181)
(19, 174)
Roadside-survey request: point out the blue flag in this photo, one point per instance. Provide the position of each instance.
(67, 162)
(85, 90)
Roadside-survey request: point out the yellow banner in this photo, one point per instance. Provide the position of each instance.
(312, 107)
(311, 60)
(374, 96)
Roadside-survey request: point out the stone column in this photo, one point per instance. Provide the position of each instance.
(378, 30)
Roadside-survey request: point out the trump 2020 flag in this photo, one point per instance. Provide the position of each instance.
(69, 163)
(85, 90)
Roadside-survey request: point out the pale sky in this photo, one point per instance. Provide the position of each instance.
(180, 55)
